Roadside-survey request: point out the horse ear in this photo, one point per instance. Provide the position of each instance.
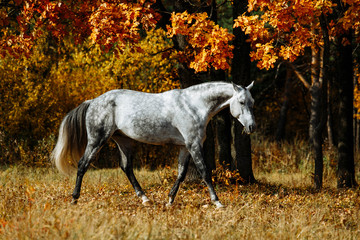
(250, 85)
(236, 87)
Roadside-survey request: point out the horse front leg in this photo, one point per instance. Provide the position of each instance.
(138, 190)
(183, 163)
(196, 152)
(125, 148)
(126, 166)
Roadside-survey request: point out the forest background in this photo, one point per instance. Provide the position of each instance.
(302, 55)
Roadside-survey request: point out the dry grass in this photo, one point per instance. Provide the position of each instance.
(35, 204)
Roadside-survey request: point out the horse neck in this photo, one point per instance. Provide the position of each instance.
(215, 96)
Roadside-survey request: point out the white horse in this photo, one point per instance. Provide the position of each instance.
(177, 117)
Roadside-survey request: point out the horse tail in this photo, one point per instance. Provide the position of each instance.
(72, 140)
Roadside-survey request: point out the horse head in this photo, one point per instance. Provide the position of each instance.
(241, 107)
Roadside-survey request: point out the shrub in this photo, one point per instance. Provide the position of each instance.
(37, 92)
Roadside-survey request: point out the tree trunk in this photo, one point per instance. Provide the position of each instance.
(241, 75)
(318, 91)
(330, 121)
(356, 113)
(223, 136)
(314, 91)
(316, 107)
(317, 122)
(346, 168)
(280, 131)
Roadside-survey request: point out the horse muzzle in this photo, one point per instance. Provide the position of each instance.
(250, 128)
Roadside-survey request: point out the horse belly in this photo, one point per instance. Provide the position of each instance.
(156, 132)
(147, 118)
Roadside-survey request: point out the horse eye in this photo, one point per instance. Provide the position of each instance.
(242, 103)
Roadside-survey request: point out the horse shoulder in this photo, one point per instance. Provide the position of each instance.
(186, 117)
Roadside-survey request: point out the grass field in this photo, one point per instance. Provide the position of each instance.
(35, 204)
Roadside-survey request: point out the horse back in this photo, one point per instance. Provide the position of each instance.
(141, 116)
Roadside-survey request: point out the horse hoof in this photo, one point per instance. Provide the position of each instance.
(218, 204)
(74, 202)
(147, 203)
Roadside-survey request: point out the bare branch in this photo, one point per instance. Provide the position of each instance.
(162, 51)
(299, 76)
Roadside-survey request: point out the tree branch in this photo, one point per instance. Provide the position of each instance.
(162, 51)
(299, 75)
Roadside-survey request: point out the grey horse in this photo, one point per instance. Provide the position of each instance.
(177, 117)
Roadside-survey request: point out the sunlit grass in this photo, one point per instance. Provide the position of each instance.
(35, 203)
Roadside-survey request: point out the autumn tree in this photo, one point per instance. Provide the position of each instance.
(275, 31)
(344, 29)
(116, 27)
(282, 31)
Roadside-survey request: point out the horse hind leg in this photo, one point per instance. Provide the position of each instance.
(125, 148)
(89, 156)
(183, 163)
(96, 140)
